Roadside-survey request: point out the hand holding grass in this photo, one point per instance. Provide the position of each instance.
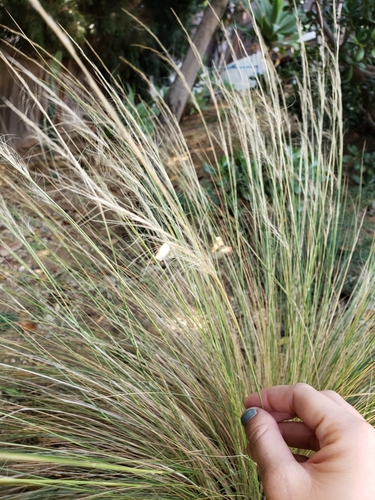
(344, 463)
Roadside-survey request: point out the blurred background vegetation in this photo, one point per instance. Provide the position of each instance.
(134, 53)
(107, 30)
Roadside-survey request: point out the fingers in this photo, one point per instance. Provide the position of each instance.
(266, 443)
(342, 403)
(300, 458)
(318, 411)
(253, 400)
(344, 443)
(298, 435)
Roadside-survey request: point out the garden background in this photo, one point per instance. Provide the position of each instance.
(170, 242)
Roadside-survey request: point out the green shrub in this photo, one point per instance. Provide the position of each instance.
(230, 181)
(360, 165)
(276, 21)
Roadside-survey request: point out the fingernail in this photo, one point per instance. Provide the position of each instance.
(248, 415)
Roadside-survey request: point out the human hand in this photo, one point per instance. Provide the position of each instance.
(343, 466)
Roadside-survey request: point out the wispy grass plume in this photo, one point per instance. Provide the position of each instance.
(146, 312)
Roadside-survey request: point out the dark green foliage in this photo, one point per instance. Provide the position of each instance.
(357, 55)
(360, 165)
(108, 29)
(7, 320)
(20, 14)
(359, 213)
(229, 180)
(355, 20)
(232, 177)
(276, 21)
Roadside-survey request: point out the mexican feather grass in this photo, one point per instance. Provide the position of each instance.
(155, 310)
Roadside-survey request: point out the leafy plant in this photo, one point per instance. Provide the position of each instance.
(107, 31)
(360, 165)
(232, 179)
(200, 101)
(7, 320)
(201, 94)
(277, 22)
(143, 113)
(355, 41)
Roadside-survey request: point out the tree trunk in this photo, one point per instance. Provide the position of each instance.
(179, 92)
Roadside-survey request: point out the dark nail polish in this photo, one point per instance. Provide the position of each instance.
(248, 415)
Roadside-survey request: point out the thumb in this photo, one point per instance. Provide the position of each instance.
(269, 450)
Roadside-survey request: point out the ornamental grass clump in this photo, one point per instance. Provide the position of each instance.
(145, 312)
